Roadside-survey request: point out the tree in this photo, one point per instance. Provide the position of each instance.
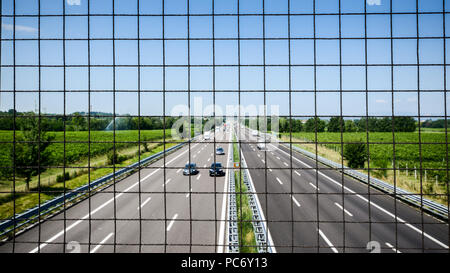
(335, 124)
(350, 126)
(315, 124)
(30, 153)
(355, 154)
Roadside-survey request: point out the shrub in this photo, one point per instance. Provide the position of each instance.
(355, 154)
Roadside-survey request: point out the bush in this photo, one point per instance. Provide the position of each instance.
(355, 154)
(63, 177)
(115, 158)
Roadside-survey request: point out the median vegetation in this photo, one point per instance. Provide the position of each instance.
(247, 242)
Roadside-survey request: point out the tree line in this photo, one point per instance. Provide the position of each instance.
(338, 124)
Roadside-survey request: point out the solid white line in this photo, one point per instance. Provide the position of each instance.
(372, 203)
(145, 202)
(297, 173)
(295, 201)
(198, 177)
(327, 241)
(221, 245)
(342, 208)
(393, 248)
(171, 222)
(102, 242)
(314, 186)
(279, 181)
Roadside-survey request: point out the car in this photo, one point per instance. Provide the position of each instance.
(190, 169)
(254, 133)
(216, 169)
(261, 145)
(207, 136)
(220, 151)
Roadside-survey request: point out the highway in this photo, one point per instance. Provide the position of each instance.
(154, 210)
(311, 210)
(307, 209)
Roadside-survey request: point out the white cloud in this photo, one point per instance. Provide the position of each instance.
(19, 28)
(74, 2)
(374, 2)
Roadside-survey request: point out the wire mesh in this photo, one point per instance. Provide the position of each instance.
(300, 92)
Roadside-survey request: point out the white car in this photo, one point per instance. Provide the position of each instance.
(207, 136)
(254, 133)
(261, 145)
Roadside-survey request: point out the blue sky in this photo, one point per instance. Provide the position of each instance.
(327, 77)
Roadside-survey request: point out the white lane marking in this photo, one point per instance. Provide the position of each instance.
(278, 158)
(209, 159)
(145, 202)
(372, 203)
(258, 155)
(198, 177)
(204, 166)
(101, 243)
(56, 236)
(327, 241)
(221, 246)
(187, 195)
(194, 156)
(393, 248)
(342, 208)
(314, 186)
(279, 181)
(171, 222)
(263, 161)
(179, 170)
(285, 164)
(199, 152)
(270, 170)
(295, 201)
(297, 173)
(167, 182)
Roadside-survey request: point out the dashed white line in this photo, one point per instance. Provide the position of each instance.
(198, 177)
(179, 170)
(297, 173)
(167, 182)
(278, 158)
(346, 211)
(187, 195)
(393, 248)
(171, 222)
(101, 243)
(263, 161)
(270, 170)
(209, 159)
(314, 186)
(145, 202)
(285, 164)
(327, 241)
(279, 181)
(295, 201)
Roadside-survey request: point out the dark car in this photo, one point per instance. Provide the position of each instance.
(216, 169)
(220, 151)
(190, 169)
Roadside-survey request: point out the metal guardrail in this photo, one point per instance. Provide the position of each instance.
(32, 214)
(259, 227)
(430, 206)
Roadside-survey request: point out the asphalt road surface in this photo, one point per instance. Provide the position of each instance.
(311, 210)
(154, 210)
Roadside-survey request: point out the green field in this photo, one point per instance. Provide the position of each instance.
(77, 145)
(410, 156)
(75, 148)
